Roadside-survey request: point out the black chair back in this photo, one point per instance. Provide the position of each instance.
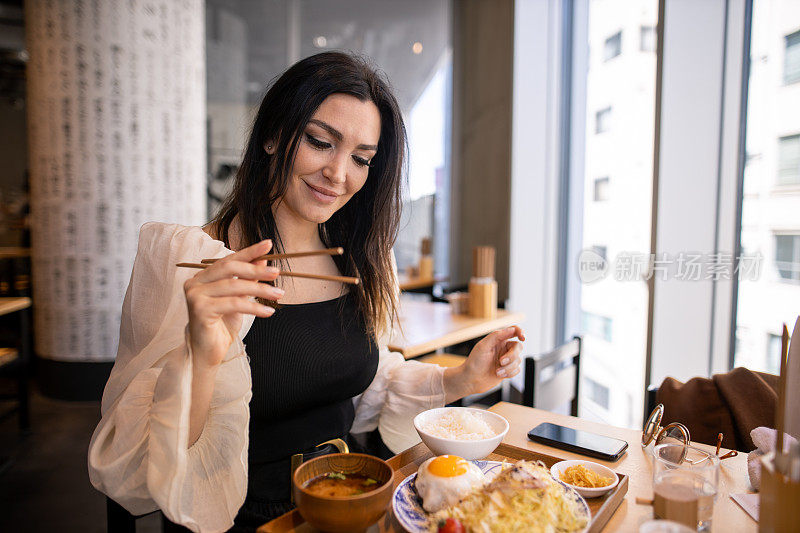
(552, 379)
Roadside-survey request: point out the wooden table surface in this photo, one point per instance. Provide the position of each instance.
(9, 305)
(638, 464)
(428, 326)
(408, 283)
(7, 252)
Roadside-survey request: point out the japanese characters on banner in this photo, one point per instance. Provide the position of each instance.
(116, 125)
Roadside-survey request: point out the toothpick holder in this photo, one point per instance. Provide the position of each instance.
(426, 259)
(482, 298)
(426, 267)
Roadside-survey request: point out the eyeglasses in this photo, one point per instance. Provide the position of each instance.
(675, 433)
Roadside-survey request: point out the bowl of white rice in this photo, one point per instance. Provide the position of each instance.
(463, 431)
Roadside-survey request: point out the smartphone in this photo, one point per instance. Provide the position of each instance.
(575, 440)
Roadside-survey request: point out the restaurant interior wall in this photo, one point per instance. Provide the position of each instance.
(483, 51)
(250, 42)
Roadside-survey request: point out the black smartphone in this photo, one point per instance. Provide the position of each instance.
(575, 440)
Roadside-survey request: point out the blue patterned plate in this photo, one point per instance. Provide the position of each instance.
(407, 504)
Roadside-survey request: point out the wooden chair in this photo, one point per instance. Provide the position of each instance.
(447, 360)
(552, 379)
(15, 363)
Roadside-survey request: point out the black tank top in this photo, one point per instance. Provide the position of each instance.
(307, 362)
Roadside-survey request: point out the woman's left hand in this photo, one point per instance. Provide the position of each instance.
(495, 358)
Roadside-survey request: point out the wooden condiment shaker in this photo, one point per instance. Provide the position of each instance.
(482, 285)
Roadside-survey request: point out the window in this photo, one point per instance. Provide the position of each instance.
(789, 160)
(770, 222)
(597, 326)
(619, 99)
(613, 46)
(602, 120)
(791, 58)
(647, 39)
(787, 256)
(601, 189)
(599, 394)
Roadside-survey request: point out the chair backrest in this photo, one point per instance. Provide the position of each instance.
(552, 378)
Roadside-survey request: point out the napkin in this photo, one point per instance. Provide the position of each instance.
(748, 502)
(764, 439)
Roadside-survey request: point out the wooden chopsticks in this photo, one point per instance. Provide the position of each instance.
(205, 263)
(328, 251)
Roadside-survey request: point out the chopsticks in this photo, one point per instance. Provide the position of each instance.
(327, 251)
(205, 263)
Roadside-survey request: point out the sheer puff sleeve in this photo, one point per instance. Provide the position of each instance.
(138, 454)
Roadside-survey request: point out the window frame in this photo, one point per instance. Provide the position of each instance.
(604, 112)
(780, 180)
(597, 181)
(642, 31)
(796, 77)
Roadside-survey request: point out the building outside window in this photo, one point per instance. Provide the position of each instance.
(647, 38)
(770, 215)
(613, 46)
(791, 58)
(789, 160)
(612, 311)
(601, 189)
(602, 120)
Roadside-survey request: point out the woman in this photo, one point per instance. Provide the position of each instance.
(322, 168)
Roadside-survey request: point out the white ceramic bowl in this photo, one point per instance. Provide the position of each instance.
(604, 471)
(468, 449)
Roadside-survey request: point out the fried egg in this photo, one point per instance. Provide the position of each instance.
(442, 481)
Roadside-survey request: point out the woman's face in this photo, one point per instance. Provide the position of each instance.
(333, 157)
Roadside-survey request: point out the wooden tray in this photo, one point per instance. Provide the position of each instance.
(407, 462)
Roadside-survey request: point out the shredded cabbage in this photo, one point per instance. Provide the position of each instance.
(513, 508)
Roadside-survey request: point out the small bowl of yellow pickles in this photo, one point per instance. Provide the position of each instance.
(590, 480)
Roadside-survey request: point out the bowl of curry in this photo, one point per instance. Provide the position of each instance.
(342, 492)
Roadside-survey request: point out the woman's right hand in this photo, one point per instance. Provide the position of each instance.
(218, 296)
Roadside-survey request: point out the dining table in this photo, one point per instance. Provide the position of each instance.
(424, 327)
(410, 283)
(636, 463)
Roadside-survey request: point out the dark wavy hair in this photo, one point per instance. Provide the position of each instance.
(367, 225)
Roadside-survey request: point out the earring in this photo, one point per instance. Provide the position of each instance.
(269, 147)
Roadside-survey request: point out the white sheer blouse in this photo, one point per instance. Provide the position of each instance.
(139, 455)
